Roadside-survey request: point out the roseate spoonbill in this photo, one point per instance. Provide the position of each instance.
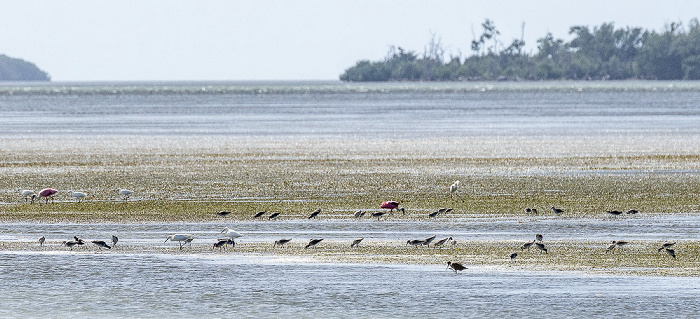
(315, 213)
(281, 242)
(42, 239)
(632, 211)
(527, 245)
(223, 213)
(359, 214)
(541, 247)
(79, 196)
(671, 252)
(429, 240)
(230, 233)
(273, 216)
(101, 244)
(125, 193)
(455, 266)
(415, 242)
(47, 193)
(453, 187)
(513, 255)
(615, 212)
(441, 242)
(390, 205)
(313, 242)
(356, 242)
(223, 242)
(666, 246)
(27, 193)
(115, 239)
(557, 210)
(538, 237)
(259, 214)
(181, 238)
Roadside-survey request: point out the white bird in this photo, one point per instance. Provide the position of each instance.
(78, 195)
(181, 238)
(230, 233)
(125, 193)
(453, 187)
(27, 193)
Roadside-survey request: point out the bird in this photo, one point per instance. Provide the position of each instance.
(541, 247)
(429, 240)
(632, 211)
(434, 214)
(528, 210)
(614, 212)
(230, 233)
(79, 196)
(455, 266)
(415, 242)
(444, 210)
(378, 214)
(356, 242)
(273, 216)
(221, 243)
(620, 243)
(47, 193)
(610, 248)
(42, 239)
(313, 242)
(666, 245)
(527, 245)
(441, 242)
(79, 240)
(534, 211)
(314, 213)
(402, 210)
(539, 237)
(181, 238)
(69, 244)
(557, 210)
(259, 214)
(101, 243)
(223, 213)
(115, 239)
(453, 187)
(513, 255)
(671, 252)
(125, 193)
(359, 214)
(27, 193)
(281, 242)
(390, 205)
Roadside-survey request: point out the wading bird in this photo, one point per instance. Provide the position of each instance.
(221, 243)
(180, 238)
(359, 214)
(513, 255)
(69, 244)
(632, 211)
(666, 246)
(454, 187)
(101, 244)
(42, 239)
(390, 205)
(610, 248)
(434, 214)
(541, 247)
(114, 240)
(538, 237)
(230, 233)
(557, 210)
(281, 242)
(259, 214)
(527, 245)
(125, 193)
(455, 266)
(79, 240)
(47, 193)
(415, 242)
(223, 213)
(79, 196)
(534, 211)
(28, 194)
(378, 214)
(273, 215)
(429, 240)
(671, 252)
(356, 242)
(441, 242)
(615, 212)
(314, 214)
(313, 243)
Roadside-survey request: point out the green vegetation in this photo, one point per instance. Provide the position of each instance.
(603, 53)
(12, 69)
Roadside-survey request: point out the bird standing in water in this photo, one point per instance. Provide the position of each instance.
(313, 243)
(356, 242)
(42, 239)
(455, 266)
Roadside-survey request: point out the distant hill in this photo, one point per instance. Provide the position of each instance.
(12, 69)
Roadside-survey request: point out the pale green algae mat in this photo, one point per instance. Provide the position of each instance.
(189, 179)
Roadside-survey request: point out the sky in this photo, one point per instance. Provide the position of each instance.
(232, 40)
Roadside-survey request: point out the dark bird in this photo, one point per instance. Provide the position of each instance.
(528, 210)
(671, 252)
(115, 239)
(402, 210)
(610, 248)
(632, 211)
(223, 213)
(313, 242)
(429, 240)
(434, 214)
(356, 242)
(359, 214)
(614, 212)
(666, 245)
(315, 213)
(42, 239)
(557, 210)
(101, 244)
(79, 240)
(541, 247)
(69, 244)
(259, 214)
(273, 215)
(378, 214)
(538, 237)
(620, 243)
(281, 242)
(441, 242)
(444, 210)
(221, 243)
(534, 211)
(527, 245)
(415, 242)
(513, 255)
(455, 266)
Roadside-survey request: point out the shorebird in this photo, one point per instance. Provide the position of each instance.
(223, 213)
(273, 215)
(620, 243)
(441, 242)
(614, 212)
(527, 245)
(402, 210)
(415, 242)
(47, 193)
(27, 194)
(281, 242)
(538, 237)
(454, 187)
(557, 210)
(455, 266)
(79, 196)
(359, 214)
(666, 245)
(69, 244)
(434, 214)
(610, 248)
(356, 242)
(79, 240)
(390, 205)
(125, 193)
(101, 244)
(632, 211)
(671, 252)
(528, 210)
(115, 239)
(378, 214)
(541, 247)
(314, 213)
(221, 243)
(313, 242)
(230, 233)
(42, 239)
(259, 214)
(513, 255)
(534, 211)
(429, 240)
(181, 238)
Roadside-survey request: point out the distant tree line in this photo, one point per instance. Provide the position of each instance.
(12, 69)
(599, 54)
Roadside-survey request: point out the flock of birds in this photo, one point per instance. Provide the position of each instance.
(49, 193)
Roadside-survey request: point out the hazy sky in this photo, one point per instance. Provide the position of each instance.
(172, 40)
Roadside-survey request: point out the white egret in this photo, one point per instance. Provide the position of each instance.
(453, 187)
(181, 238)
(125, 193)
(27, 193)
(79, 196)
(230, 233)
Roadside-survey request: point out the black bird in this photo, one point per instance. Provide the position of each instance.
(273, 215)
(281, 242)
(528, 210)
(221, 243)
(429, 240)
(444, 210)
(513, 255)
(614, 212)
(223, 213)
(115, 239)
(671, 252)
(534, 211)
(541, 247)
(611, 248)
(356, 242)
(259, 214)
(434, 214)
(315, 213)
(455, 266)
(527, 245)
(402, 210)
(359, 214)
(415, 242)
(632, 211)
(69, 244)
(666, 245)
(79, 240)
(378, 214)
(101, 243)
(557, 210)
(42, 239)
(441, 242)
(313, 242)
(538, 237)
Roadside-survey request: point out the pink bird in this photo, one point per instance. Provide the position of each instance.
(391, 205)
(47, 193)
